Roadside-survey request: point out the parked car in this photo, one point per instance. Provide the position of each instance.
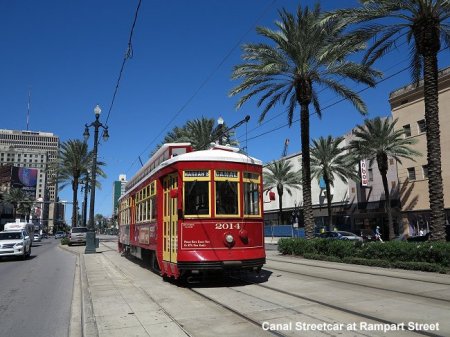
(15, 243)
(60, 235)
(340, 235)
(77, 235)
(37, 237)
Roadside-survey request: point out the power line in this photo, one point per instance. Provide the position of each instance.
(204, 82)
(330, 105)
(128, 55)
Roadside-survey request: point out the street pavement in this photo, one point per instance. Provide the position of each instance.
(107, 303)
(113, 296)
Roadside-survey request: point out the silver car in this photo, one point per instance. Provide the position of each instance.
(15, 243)
(340, 235)
(77, 235)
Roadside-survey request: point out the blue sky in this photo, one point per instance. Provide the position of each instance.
(69, 53)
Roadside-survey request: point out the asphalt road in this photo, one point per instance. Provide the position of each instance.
(36, 294)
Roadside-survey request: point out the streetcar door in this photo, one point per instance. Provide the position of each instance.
(170, 219)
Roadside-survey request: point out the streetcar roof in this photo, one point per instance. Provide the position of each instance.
(217, 153)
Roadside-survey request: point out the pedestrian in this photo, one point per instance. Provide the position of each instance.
(378, 234)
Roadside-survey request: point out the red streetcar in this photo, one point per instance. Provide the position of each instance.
(193, 212)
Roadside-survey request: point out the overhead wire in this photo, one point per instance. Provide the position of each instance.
(128, 55)
(203, 83)
(328, 106)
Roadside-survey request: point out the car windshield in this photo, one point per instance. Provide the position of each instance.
(10, 236)
(79, 230)
(59, 233)
(346, 234)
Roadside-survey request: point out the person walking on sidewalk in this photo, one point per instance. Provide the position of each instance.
(378, 234)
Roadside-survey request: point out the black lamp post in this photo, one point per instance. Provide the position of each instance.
(90, 236)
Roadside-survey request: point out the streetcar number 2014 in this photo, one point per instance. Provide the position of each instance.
(228, 226)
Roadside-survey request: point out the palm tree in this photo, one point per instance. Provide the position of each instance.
(74, 160)
(307, 56)
(377, 140)
(199, 132)
(425, 23)
(328, 159)
(19, 200)
(279, 175)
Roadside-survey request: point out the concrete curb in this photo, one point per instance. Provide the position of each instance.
(75, 329)
(82, 318)
(88, 318)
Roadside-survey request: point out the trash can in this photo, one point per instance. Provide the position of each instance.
(97, 242)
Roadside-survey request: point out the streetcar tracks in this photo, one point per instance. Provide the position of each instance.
(362, 285)
(328, 267)
(236, 312)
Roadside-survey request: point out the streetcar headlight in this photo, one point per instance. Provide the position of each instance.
(229, 239)
(243, 234)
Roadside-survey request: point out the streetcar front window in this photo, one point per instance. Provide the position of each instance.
(227, 198)
(196, 197)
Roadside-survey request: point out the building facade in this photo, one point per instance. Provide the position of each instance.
(356, 206)
(407, 105)
(30, 151)
(118, 191)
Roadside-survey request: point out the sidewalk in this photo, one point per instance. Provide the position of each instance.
(105, 299)
(108, 303)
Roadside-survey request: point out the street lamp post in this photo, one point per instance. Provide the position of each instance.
(90, 236)
(224, 133)
(220, 127)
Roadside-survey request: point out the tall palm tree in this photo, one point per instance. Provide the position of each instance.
(19, 200)
(306, 56)
(280, 175)
(377, 140)
(426, 24)
(199, 132)
(73, 161)
(329, 160)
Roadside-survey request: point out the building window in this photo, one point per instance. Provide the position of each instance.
(411, 173)
(425, 171)
(407, 130)
(392, 184)
(391, 161)
(422, 126)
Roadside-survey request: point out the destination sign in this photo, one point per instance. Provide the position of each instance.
(196, 174)
(226, 174)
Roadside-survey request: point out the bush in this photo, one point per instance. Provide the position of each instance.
(425, 256)
(65, 241)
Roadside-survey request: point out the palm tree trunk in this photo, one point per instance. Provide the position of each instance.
(75, 202)
(306, 171)
(280, 204)
(437, 221)
(387, 198)
(328, 191)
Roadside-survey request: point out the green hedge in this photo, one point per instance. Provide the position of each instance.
(426, 256)
(65, 241)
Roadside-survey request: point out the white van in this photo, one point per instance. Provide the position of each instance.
(20, 225)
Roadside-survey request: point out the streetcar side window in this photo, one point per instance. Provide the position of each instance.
(196, 197)
(251, 193)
